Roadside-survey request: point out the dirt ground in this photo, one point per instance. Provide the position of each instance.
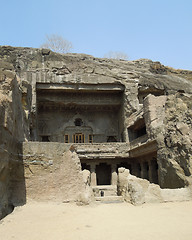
(47, 221)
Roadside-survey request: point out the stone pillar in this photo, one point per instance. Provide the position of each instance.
(113, 174)
(126, 136)
(150, 172)
(144, 170)
(135, 169)
(34, 123)
(153, 172)
(93, 174)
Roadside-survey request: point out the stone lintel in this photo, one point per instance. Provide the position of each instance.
(102, 157)
(143, 149)
(80, 87)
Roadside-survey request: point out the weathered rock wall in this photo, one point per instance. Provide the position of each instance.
(43, 66)
(53, 172)
(175, 145)
(169, 120)
(154, 115)
(12, 186)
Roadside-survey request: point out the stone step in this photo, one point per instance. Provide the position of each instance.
(110, 199)
(106, 190)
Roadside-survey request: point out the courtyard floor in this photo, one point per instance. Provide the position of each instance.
(48, 221)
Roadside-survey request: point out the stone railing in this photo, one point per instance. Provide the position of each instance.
(102, 150)
(47, 150)
(139, 141)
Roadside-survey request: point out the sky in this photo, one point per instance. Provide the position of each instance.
(157, 30)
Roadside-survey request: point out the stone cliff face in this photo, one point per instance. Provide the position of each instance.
(175, 152)
(22, 69)
(168, 120)
(12, 134)
(140, 77)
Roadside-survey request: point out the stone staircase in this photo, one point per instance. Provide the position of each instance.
(107, 194)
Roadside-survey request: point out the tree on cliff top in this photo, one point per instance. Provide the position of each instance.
(116, 55)
(57, 44)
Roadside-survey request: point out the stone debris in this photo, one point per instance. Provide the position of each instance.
(138, 191)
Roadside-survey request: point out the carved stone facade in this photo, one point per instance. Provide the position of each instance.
(78, 117)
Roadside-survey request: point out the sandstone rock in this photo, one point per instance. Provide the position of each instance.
(139, 191)
(136, 190)
(11, 132)
(61, 180)
(86, 197)
(175, 152)
(122, 188)
(86, 177)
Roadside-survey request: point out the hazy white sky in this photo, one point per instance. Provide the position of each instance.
(158, 30)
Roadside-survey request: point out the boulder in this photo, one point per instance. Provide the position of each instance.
(139, 191)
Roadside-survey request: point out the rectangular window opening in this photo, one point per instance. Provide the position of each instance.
(66, 138)
(91, 138)
(78, 138)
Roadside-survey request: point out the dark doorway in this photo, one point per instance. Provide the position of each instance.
(85, 166)
(45, 139)
(125, 165)
(154, 171)
(103, 173)
(111, 139)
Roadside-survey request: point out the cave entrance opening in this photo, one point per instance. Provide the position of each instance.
(103, 173)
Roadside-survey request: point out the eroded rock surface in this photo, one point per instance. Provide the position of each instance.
(12, 121)
(168, 120)
(139, 191)
(54, 173)
(175, 152)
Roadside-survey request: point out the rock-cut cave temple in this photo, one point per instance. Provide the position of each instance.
(110, 113)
